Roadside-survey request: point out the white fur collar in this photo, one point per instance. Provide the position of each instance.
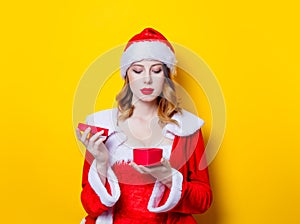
(188, 122)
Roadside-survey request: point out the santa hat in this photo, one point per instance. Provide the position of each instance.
(149, 44)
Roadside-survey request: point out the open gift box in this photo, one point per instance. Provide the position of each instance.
(147, 156)
(94, 129)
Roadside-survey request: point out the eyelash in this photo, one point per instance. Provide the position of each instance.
(158, 71)
(138, 72)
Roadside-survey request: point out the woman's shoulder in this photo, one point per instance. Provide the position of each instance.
(188, 123)
(104, 119)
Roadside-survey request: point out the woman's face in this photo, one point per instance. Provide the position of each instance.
(146, 80)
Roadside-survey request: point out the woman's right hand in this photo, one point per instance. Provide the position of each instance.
(95, 145)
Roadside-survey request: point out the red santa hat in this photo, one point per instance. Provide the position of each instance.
(149, 44)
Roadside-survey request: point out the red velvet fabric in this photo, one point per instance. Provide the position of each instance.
(196, 196)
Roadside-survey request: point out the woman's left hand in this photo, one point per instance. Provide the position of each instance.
(162, 173)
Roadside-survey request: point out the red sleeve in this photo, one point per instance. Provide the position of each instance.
(196, 195)
(89, 199)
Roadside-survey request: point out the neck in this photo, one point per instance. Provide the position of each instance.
(146, 110)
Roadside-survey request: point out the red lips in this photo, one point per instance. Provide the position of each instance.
(147, 91)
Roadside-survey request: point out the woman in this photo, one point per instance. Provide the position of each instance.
(114, 188)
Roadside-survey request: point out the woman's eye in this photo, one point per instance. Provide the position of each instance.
(157, 71)
(137, 71)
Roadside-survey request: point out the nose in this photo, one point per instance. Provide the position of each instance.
(147, 77)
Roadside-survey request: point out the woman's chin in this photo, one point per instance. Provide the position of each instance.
(145, 98)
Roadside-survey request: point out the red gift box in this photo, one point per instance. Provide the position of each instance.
(147, 156)
(94, 129)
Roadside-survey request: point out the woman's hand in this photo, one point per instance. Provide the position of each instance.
(162, 173)
(97, 148)
(95, 145)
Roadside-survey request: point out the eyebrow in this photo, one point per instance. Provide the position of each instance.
(135, 64)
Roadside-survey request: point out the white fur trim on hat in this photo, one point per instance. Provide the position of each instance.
(152, 50)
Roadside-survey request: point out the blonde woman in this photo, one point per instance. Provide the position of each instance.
(117, 190)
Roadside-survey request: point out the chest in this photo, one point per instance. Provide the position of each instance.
(121, 151)
(140, 133)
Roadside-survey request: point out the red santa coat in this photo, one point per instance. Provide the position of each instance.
(190, 192)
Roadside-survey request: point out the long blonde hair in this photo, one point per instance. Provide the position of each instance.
(167, 102)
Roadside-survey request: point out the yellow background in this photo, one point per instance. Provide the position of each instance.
(251, 46)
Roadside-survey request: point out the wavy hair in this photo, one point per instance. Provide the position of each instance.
(167, 101)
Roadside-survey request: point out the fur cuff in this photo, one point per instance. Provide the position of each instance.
(95, 182)
(105, 217)
(174, 196)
